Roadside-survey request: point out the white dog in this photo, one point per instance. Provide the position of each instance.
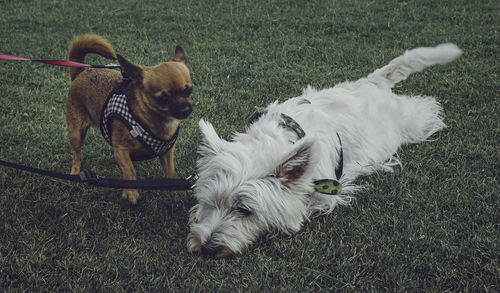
(265, 180)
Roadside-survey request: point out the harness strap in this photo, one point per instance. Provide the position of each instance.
(91, 178)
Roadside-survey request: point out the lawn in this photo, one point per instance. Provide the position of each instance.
(431, 226)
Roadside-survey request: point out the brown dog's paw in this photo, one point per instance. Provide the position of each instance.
(131, 195)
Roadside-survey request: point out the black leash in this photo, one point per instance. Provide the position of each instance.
(91, 178)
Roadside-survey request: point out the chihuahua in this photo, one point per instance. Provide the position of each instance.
(137, 110)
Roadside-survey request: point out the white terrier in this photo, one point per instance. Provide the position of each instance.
(265, 180)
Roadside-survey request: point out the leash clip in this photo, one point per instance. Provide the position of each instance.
(192, 179)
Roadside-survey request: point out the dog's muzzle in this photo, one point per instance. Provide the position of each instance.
(210, 249)
(182, 111)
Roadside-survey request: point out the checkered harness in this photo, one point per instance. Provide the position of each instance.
(116, 106)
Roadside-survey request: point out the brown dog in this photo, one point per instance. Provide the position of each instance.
(157, 98)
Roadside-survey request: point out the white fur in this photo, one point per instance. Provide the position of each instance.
(261, 181)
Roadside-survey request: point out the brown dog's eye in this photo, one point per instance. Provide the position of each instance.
(164, 97)
(188, 91)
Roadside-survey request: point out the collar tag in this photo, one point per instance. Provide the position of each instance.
(328, 186)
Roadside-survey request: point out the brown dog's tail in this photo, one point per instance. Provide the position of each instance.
(85, 44)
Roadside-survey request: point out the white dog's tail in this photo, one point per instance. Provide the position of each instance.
(413, 61)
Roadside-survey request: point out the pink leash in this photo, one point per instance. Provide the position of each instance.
(65, 63)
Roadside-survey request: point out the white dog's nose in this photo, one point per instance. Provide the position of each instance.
(210, 249)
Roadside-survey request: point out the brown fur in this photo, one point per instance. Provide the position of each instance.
(90, 88)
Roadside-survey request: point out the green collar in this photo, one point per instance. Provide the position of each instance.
(293, 125)
(325, 186)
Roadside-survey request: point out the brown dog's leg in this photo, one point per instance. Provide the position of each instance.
(78, 124)
(122, 155)
(167, 163)
(76, 140)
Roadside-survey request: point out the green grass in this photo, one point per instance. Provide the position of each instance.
(432, 226)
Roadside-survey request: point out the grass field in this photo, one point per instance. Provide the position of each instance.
(432, 226)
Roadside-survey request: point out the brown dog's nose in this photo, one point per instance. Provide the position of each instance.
(183, 110)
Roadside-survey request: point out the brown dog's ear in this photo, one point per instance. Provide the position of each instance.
(130, 69)
(179, 55)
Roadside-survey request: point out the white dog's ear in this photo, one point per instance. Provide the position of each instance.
(212, 143)
(293, 169)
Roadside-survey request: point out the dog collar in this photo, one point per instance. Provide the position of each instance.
(288, 122)
(325, 186)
